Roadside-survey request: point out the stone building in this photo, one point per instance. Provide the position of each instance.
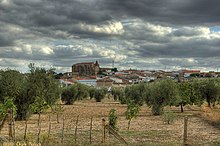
(105, 82)
(85, 69)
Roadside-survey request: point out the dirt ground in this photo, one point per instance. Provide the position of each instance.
(146, 129)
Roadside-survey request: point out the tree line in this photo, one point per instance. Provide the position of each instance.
(157, 94)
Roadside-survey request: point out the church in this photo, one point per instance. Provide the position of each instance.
(85, 69)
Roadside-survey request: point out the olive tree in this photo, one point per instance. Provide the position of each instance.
(210, 89)
(119, 94)
(196, 96)
(5, 107)
(99, 94)
(74, 92)
(113, 118)
(11, 83)
(131, 112)
(12, 87)
(40, 91)
(160, 94)
(42, 83)
(136, 93)
(68, 95)
(25, 89)
(91, 92)
(185, 92)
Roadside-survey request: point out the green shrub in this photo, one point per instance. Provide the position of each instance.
(131, 112)
(169, 117)
(113, 119)
(99, 94)
(157, 109)
(74, 92)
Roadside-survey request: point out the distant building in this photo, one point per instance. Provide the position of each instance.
(89, 82)
(85, 69)
(106, 71)
(104, 82)
(187, 73)
(112, 82)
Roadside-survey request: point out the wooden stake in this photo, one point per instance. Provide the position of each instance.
(39, 128)
(3, 122)
(13, 125)
(185, 130)
(10, 126)
(90, 133)
(58, 118)
(63, 129)
(103, 130)
(77, 119)
(115, 134)
(25, 130)
(129, 123)
(48, 136)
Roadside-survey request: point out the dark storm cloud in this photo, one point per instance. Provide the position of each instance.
(56, 12)
(48, 16)
(133, 29)
(187, 48)
(60, 11)
(187, 32)
(4, 41)
(188, 12)
(95, 11)
(200, 11)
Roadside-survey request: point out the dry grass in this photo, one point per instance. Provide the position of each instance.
(211, 114)
(146, 129)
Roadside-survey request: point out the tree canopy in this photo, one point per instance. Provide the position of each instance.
(160, 94)
(28, 90)
(75, 92)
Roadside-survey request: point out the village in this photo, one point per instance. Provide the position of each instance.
(91, 74)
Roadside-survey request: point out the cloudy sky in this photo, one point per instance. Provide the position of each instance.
(138, 34)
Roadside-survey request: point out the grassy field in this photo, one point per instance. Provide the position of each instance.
(146, 129)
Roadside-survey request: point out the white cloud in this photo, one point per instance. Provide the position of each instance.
(32, 50)
(14, 28)
(112, 55)
(46, 50)
(192, 32)
(107, 53)
(69, 51)
(203, 30)
(63, 34)
(88, 51)
(158, 29)
(137, 27)
(112, 28)
(191, 60)
(5, 2)
(27, 48)
(17, 49)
